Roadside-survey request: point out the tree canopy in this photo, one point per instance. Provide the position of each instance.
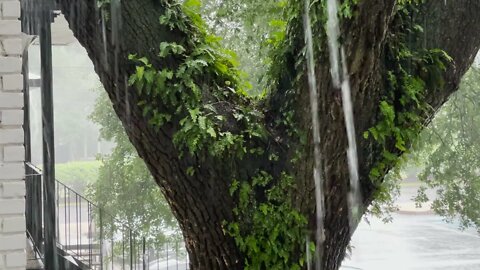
(448, 151)
(123, 174)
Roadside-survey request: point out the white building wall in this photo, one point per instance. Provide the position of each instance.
(12, 151)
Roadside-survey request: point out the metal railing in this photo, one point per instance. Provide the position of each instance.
(92, 238)
(34, 207)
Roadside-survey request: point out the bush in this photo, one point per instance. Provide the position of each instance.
(78, 174)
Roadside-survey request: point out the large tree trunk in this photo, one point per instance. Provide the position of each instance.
(202, 202)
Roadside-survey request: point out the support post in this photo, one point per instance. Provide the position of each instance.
(50, 259)
(101, 237)
(26, 107)
(144, 255)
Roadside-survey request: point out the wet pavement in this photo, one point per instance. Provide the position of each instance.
(414, 242)
(416, 239)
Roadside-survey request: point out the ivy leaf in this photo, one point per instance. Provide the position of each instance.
(212, 132)
(374, 133)
(144, 60)
(210, 108)
(263, 208)
(374, 173)
(167, 48)
(149, 74)
(193, 4)
(165, 19)
(201, 122)
(132, 79)
(222, 68)
(388, 112)
(190, 171)
(163, 49)
(194, 113)
(233, 187)
(389, 156)
(168, 73)
(139, 72)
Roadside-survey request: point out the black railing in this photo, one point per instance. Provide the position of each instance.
(34, 207)
(92, 238)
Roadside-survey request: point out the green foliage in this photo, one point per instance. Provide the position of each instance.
(412, 71)
(123, 173)
(385, 195)
(177, 94)
(449, 151)
(174, 89)
(250, 28)
(270, 232)
(77, 175)
(346, 8)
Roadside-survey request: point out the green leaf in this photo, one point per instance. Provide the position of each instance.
(374, 173)
(144, 60)
(389, 156)
(263, 208)
(194, 113)
(190, 171)
(234, 186)
(164, 49)
(201, 122)
(192, 4)
(149, 75)
(212, 132)
(132, 79)
(139, 72)
(168, 74)
(387, 111)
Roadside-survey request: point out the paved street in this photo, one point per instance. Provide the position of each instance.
(415, 240)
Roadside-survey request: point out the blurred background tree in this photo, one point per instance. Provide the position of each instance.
(124, 188)
(448, 151)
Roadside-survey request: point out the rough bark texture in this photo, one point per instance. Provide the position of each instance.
(201, 202)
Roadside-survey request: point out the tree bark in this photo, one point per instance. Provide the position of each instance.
(202, 202)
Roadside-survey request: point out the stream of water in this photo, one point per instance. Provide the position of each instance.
(317, 170)
(340, 80)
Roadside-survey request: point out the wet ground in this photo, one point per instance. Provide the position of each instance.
(416, 239)
(414, 242)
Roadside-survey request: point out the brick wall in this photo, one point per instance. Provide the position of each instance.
(12, 151)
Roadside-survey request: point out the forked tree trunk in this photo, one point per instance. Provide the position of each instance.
(202, 202)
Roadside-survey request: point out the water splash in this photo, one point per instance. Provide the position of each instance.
(104, 37)
(333, 33)
(340, 80)
(115, 11)
(116, 17)
(127, 100)
(317, 171)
